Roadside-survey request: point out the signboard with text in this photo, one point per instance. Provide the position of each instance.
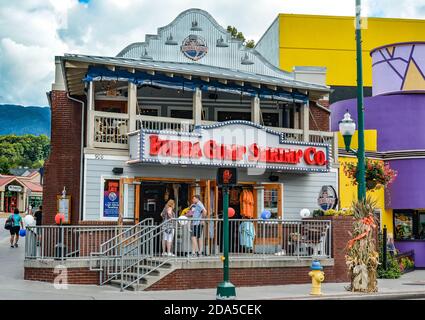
(111, 199)
(237, 143)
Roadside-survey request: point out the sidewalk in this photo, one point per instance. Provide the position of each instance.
(12, 286)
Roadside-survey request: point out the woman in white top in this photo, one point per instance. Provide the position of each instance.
(168, 228)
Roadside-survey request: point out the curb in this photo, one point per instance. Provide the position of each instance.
(365, 296)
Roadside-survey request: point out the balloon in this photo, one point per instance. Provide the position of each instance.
(266, 214)
(29, 220)
(305, 213)
(60, 217)
(230, 212)
(22, 232)
(183, 220)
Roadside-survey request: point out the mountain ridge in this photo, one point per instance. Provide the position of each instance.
(20, 120)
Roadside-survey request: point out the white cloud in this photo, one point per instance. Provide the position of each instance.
(32, 32)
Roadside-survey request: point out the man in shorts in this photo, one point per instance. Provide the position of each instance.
(199, 212)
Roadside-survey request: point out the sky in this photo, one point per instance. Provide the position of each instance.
(32, 32)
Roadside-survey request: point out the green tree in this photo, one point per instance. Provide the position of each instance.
(240, 36)
(27, 151)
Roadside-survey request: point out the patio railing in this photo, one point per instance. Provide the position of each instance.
(294, 239)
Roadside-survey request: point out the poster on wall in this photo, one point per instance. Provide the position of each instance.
(111, 199)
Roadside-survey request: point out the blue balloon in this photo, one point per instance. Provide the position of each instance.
(266, 214)
(22, 232)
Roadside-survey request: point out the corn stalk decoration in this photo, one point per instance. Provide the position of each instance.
(361, 258)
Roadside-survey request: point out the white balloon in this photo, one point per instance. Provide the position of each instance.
(29, 220)
(305, 213)
(183, 220)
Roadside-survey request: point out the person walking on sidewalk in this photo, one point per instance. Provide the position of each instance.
(14, 231)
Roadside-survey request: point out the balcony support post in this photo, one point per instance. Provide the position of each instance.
(197, 106)
(305, 118)
(132, 106)
(90, 114)
(255, 110)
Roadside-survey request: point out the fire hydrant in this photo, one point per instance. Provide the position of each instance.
(317, 277)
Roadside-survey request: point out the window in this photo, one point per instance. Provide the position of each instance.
(421, 226)
(148, 111)
(271, 119)
(233, 115)
(271, 201)
(180, 113)
(409, 225)
(377, 214)
(111, 198)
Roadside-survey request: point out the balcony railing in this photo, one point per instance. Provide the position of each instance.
(111, 129)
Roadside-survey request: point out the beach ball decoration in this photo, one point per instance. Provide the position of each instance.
(266, 214)
(59, 218)
(231, 212)
(22, 232)
(29, 220)
(305, 213)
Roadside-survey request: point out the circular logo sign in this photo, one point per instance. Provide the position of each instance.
(194, 47)
(112, 196)
(327, 198)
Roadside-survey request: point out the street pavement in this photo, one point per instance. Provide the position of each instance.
(12, 286)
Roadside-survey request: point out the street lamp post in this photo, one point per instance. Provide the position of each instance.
(361, 179)
(347, 126)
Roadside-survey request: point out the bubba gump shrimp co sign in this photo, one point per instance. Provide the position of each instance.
(233, 143)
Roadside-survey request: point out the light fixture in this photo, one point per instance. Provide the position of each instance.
(347, 127)
(170, 41)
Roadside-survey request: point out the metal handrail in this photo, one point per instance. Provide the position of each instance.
(144, 222)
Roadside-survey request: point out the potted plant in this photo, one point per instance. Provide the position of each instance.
(377, 174)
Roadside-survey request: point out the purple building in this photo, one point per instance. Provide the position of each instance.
(397, 111)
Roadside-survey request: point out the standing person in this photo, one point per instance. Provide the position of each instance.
(38, 215)
(168, 228)
(17, 225)
(199, 212)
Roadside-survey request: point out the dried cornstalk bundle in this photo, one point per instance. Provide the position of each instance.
(361, 258)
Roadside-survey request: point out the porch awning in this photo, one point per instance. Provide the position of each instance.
(178, 82)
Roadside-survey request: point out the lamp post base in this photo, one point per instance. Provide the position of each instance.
(226, 291)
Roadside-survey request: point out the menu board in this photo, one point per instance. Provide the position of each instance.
(64, 206)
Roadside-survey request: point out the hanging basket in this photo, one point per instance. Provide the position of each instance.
(371, 184)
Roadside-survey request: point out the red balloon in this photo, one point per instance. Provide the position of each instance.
(60, 217)
(230, 212)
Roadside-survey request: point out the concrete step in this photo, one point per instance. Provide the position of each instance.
(147, 280)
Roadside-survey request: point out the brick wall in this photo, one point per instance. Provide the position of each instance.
(319, 118)
(341, 227)
(74, 275)
(63, 165)
(182, 279)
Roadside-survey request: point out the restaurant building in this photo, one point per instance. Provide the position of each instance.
(156, 121)
(396, 112)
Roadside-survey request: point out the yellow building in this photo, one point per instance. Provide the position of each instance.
(329, 41)
(348, 191)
